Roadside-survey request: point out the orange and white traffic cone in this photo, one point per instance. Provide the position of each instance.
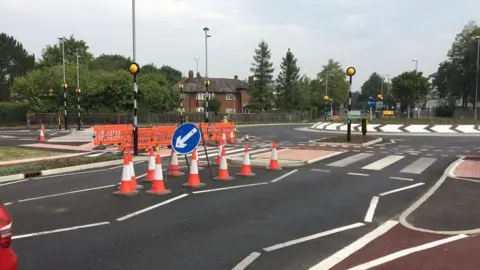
(224, 139)
(151, 168)
(126, 188)
(174, 168)
(246, 167)
(223, 174)
(232, 137)
(132, 173)
(158, 186)
(41, 138)
(193, 177)
(274, 165)
(219, 152)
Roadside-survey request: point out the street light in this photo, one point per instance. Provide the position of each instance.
(476, 84)
(207, 82)
(350, 73)
(196, 60)
(416, 64)
(64, 85)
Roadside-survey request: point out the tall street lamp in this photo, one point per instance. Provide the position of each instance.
(196, 60)
(64, 85)
(207, 82)
(476, 83)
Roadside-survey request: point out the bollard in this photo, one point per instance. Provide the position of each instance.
(364, 126)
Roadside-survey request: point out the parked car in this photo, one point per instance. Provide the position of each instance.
(8, 258)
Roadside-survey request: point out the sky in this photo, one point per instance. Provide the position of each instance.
(380, 36)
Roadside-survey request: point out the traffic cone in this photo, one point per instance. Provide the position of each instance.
(223, 174)
(126, 188)
(151, 168)
(41, 138)
(219, 152)
(132, 173)
(42, 127)
(224, 139)
(158, 186)
(246, 167)
(274, 165)
(193, 177)
(174, 169)
(232, 137)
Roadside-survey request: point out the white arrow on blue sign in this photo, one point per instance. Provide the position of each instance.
(186, 138)
(371, 102)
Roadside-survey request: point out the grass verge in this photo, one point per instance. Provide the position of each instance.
(11, 153)
(54, 164)
(343, 139)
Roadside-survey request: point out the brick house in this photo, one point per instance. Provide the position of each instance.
(232, 93)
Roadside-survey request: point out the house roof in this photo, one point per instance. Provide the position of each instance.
(217, 85)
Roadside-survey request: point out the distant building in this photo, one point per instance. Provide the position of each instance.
(232, 93)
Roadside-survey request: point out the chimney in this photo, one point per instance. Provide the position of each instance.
(235, 77)
(250, 81)
(190, 75)
(198, 75)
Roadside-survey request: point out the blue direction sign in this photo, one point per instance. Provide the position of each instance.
(371, 102)
(186, 138)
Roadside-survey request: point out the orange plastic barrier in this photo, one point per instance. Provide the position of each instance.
(157, 136)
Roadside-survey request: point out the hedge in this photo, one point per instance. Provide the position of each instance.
(12, 113)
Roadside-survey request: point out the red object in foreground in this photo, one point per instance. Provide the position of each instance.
(8, 259)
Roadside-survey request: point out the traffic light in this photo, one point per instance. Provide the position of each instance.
(380, 97)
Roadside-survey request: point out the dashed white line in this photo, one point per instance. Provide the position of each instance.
(401, 178)
(65, 193)
(371, 209)
(8, 203)
(247, 261)
(313, 236)
(226, 188)
(401, 189)
(354, 247)
(406, 252)
(61, 230)
(358, 174)
(151, 207)
(320, 170)
(283, 176)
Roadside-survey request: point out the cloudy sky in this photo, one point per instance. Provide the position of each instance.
(372, 35)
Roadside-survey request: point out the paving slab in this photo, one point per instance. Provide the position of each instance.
(468, 168)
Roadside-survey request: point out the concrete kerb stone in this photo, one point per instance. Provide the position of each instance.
(317, 142)
(262, 162)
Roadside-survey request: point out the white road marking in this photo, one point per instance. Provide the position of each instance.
(358, 174)
(319, 170)
(14, 182)
(406, 252)
(60, 230)
(444, 155)
(401, 189)
(151, 207)
(401, 178)
(313, 236)
(324, 157)
(437, 150)
(419, 165)
(283, 176)
(349, 160)
(247, 261)
(371, 209)
(65, 193)
(96, 155)
(423, 149)
(384, 152)
(8, 203)
(354, 247)
(382, 163)
(226, 188)
(392, 141)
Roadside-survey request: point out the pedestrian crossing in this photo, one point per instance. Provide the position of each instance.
(365, 162)
(231, 151)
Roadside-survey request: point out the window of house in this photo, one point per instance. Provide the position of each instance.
(199, 109)
(201, 96)
(229, 110)
(230, 97)
(182, 95)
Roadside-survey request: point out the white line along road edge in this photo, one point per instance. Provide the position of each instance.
(151, 207)
(65, 193)
(247, 261)
(371, 209)
(61, 230)
(283, 176)
(354, 247)
(407, 251)
(313, 236)
(227, 188)
(401, 189)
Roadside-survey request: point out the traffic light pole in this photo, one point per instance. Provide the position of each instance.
(350, 72)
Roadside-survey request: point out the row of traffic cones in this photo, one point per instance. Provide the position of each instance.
(129, 186)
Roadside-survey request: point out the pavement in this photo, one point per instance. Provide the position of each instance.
(369, 208)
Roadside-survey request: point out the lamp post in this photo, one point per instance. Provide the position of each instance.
(350, 73)
(325, 98)
(181, 103)
(134, 69)
(64, 85)
(196, 61)
(78, 90)
(476, 83)
(207, 82)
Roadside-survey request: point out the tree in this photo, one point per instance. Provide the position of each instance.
(52, 54)
(288, 82)
(173, 76)
(214, 105)
(410, 87)
(372, 86)
(15, 61)
(261, 93)
(111, 62)
(333, 76)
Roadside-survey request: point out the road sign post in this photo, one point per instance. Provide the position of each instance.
(371, 103)
(350, 73)
(186, 138)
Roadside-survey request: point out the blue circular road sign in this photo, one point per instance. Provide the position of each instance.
(186, 138)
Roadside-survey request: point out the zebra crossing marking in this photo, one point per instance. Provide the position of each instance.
(350, 160)
(382, 163)
(401, 178)
(419, 165)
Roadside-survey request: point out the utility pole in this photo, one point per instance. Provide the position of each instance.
(64, 85)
